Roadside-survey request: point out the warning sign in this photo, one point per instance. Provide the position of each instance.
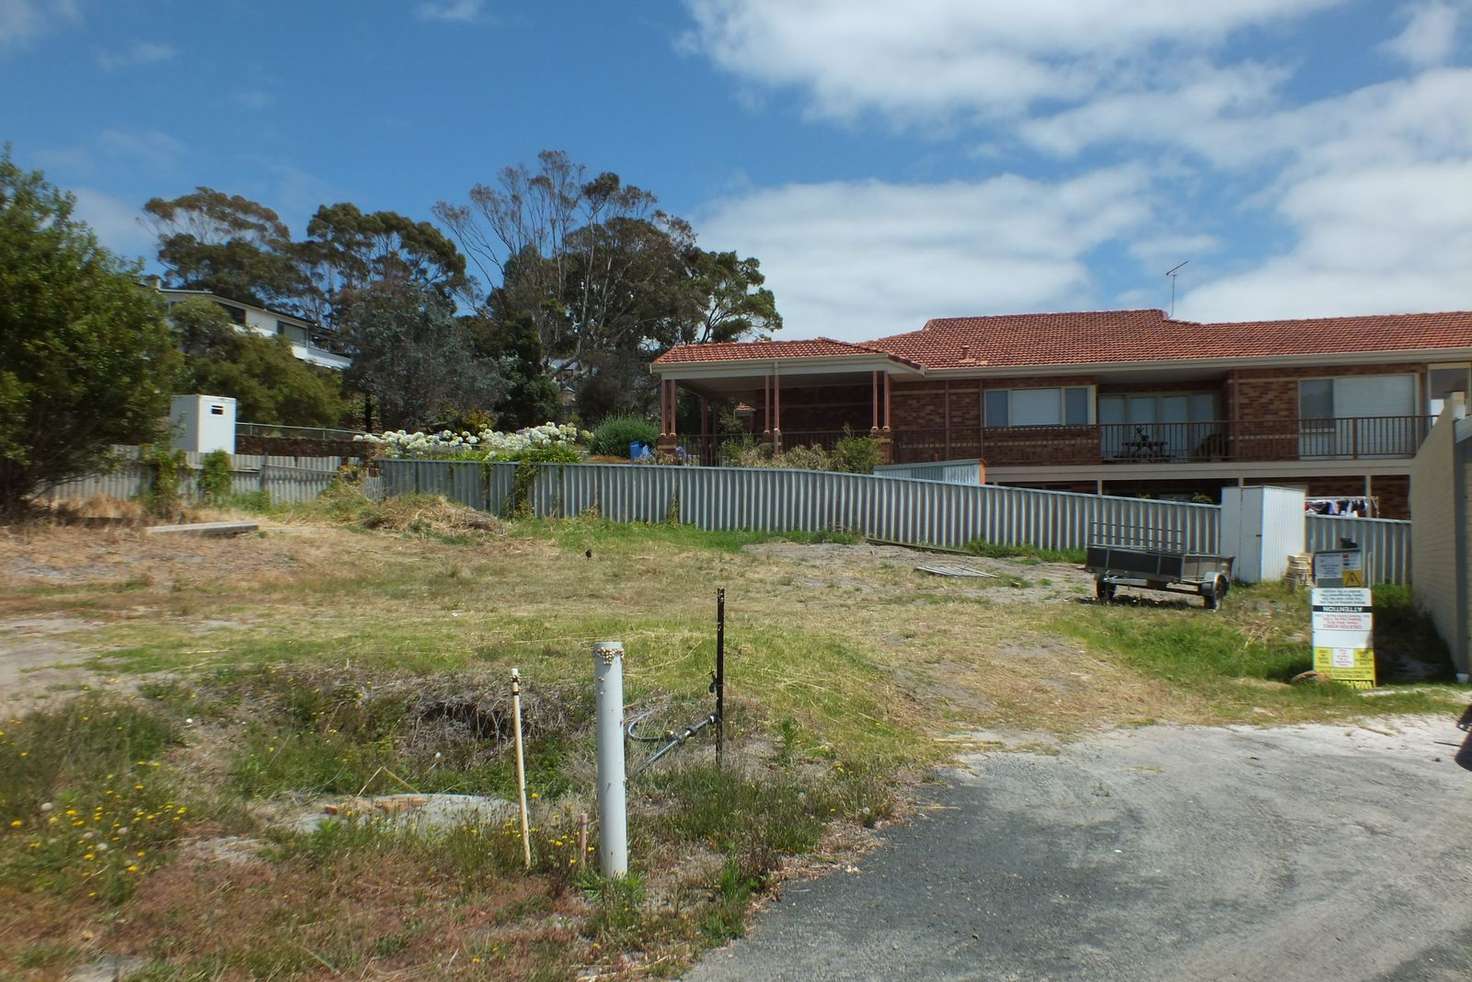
(1339, 567)
(1343, 631)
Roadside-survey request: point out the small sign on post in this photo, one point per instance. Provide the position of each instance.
(1339, 567)
(1343, 625)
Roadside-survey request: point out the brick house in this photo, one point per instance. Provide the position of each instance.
(1120, 402)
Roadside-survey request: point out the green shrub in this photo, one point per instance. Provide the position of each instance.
(216, 483)
(854, 454)
(746, 452)
(613, 436)
(813, 458)
(163, 496)
(556, 453)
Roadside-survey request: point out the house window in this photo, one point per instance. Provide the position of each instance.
(1159, 426)
(1068, 406)
(1184, 407)
(237, 314)
(1357, 416)
(1356, 396)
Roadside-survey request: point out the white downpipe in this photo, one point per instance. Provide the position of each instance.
(613, 831)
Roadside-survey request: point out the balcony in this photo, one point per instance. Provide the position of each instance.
(1356, 438)
(321, 357)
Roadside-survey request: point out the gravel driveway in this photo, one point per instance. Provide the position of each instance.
(1291, 853)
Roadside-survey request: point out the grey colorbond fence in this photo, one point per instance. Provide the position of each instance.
(924, 513)
(1386, 542)
(288, 480)
(948, 471)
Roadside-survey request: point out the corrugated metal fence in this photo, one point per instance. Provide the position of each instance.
(949, 471)
(1385, 541)
(288, 480)
(906, 511)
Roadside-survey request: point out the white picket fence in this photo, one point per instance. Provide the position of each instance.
(287, 480)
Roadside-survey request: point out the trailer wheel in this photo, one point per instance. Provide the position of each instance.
(1103, 591)
(1216, 593)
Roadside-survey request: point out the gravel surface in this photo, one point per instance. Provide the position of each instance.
(1292, 853)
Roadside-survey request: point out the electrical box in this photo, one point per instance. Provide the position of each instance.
(202, 424)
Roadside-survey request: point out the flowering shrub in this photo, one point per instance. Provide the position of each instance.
(488, 444)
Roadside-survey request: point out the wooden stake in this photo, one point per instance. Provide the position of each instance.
(582, 840)
(526, 841)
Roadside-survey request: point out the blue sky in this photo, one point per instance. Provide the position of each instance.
(887, 162)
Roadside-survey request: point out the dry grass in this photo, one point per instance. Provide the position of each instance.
(842, 660)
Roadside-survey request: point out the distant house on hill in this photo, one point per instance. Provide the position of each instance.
(304, 335)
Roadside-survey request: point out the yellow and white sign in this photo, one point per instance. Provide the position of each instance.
(1339, 567)
(1343, 630)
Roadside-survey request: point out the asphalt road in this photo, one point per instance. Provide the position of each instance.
(1297, 853)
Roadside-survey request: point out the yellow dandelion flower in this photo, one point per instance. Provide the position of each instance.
(16, 823)
(133, 868)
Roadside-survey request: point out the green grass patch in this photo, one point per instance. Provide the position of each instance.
(1261, 636)
(86, 805)
(1002, 550)
(587, 532)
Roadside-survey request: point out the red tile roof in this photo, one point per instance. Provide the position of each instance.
(762, 350)
(1113, 337)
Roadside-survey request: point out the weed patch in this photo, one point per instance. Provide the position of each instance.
(88, 808)
(1000, 550)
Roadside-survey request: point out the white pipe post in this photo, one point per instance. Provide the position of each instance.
(613, 830)
(526, 841)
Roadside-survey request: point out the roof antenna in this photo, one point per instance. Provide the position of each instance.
(1172, 274)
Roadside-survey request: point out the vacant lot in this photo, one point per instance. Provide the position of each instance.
(177, 708)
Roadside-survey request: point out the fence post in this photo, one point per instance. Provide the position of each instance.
(608, 675)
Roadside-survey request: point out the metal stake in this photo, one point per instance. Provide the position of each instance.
(720, 681)
(526, 841)
(608, 676)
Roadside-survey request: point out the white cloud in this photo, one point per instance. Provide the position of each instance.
(858, 260)
(153, 149)
(1430, 34)
(1157, 253)
(1373, 187)
(1390, 239)
(940, 59)
(116, 222)
(453, 11)
(22, 20)
(137, 53)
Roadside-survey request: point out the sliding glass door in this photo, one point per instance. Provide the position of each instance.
(1358, 416)
(1157, 426)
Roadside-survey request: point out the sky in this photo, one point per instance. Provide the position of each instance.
(886, 162)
